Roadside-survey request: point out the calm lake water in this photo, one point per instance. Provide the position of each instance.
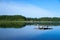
(31, 32)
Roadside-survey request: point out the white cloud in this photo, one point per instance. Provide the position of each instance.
(27, 10)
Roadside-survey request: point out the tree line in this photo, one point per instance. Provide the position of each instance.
(22, 18)
(44, 19)
(12, 18)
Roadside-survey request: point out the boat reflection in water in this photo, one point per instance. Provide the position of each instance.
(44, 27)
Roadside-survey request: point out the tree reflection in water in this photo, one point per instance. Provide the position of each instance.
(41, 26)
(12, 25)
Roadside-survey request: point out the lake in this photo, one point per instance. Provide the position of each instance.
(31, 32)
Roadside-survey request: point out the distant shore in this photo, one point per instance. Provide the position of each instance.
(29, 21)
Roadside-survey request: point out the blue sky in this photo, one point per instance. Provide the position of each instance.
(30, 8)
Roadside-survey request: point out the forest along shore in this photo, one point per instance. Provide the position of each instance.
(20, 18)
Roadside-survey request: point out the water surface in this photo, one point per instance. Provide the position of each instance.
(31, 32)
